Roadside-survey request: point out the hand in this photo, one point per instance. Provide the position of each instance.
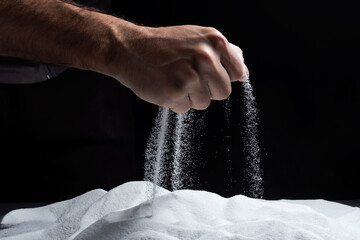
(179, 67)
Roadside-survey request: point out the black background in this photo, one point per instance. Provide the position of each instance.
(79, 131)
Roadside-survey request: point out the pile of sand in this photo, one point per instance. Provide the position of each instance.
(123, 213)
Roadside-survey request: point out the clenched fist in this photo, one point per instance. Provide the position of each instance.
(178, 67)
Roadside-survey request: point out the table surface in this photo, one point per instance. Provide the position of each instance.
(7, 207)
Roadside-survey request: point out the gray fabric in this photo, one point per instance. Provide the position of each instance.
(18, 71)
(20, 74)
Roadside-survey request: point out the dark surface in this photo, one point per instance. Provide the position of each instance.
(303, 59)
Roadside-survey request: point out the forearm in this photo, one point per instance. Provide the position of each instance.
(55, 32)
(179, 67)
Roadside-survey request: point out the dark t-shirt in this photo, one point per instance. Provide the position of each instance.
(16, 71)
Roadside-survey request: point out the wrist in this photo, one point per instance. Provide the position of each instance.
(119, 60)
(101, 51)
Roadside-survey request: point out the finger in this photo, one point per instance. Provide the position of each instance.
(182, 106)
(233, 61)
(200, 96)
(197, 90)
(183, 76)
(247, 72)
(219, 83)
(214, 75)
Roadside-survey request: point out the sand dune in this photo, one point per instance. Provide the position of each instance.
(125, 213)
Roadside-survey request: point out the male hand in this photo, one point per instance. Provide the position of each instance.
(178, 67)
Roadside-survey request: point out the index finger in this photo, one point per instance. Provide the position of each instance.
(233, 61)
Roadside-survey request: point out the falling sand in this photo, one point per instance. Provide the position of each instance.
(129, 213)
(158, 147)
(251, 145)
(156, 150)
(182, 150)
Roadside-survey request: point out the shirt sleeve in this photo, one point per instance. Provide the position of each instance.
(18, 71)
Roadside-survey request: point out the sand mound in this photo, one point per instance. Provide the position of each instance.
(123, 213)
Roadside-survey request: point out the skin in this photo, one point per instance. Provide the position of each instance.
(179, 67)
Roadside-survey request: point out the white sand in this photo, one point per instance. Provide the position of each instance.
(251, 145)
(185, 214)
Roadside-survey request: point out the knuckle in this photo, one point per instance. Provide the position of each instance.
(217, 39)
(223, 92)
(240, 52)
(206, 103)
(211, 29)
(185, 108)
(181, 109)
(175, 94)
(238, 49)
(202, 104)
(204, 54)
(162, 102)
(187, 76)
(184, 73)
(238, 74)
(214, 32)
(226, 91)
(181, 106)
